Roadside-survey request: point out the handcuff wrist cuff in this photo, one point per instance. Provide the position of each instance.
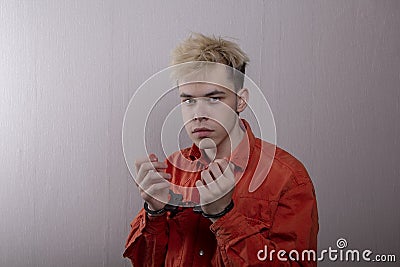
(176, 205)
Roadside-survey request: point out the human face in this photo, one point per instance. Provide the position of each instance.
(209, 111)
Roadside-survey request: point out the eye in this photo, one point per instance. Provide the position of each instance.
(188, 101)
(214, 99)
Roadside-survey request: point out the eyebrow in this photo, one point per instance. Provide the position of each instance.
(215, 92)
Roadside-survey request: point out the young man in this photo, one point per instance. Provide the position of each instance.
(234, 226)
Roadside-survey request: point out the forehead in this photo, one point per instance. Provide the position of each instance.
(209, 77)
(198, 89)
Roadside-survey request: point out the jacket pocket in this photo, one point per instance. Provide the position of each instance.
(256, 211)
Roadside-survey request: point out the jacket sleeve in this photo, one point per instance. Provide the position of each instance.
(147, 241)
(244, 241)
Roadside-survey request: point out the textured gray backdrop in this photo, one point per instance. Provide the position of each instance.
(330, 70)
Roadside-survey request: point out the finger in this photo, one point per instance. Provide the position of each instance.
(158, 192)
(154, 190)
(152, 158)
(222, 164)
(227, 180)
(226, 166)
(203, 191)
(212, 184)
(230, 171)
(139, 162)
(152, 187)
(199, 184)
(209, 193)
(147, 166)
(206, 178)
(215, 170)
(154, 178)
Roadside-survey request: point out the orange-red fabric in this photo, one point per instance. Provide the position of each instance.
(280, 215)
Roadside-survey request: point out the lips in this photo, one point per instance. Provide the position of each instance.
(202, 129)
(202, 132)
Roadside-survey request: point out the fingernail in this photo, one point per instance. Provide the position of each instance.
(153, 157)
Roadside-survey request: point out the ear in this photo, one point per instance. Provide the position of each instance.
(242, 99)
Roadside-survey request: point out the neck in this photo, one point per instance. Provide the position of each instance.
(225, 148)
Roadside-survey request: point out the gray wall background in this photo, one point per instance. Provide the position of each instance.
(329, 69)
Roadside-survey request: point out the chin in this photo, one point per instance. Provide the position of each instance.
(204, 143)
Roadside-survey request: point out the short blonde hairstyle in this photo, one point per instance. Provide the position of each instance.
(199, 47)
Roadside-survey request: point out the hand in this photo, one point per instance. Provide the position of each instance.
(151, 181)
(216, 186)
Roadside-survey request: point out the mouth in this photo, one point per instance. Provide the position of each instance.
(202, 132)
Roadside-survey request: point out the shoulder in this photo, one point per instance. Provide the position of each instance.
(284, 164)
(286, 160)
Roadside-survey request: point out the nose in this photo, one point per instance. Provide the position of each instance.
(200, 111)
(200, 118)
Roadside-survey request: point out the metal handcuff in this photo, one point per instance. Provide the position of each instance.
(176, 205)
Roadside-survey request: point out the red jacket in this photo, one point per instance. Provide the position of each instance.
(280, 215)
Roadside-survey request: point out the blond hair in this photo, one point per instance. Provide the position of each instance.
(198, 47)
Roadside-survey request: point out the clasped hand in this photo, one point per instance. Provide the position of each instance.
(215, 187)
